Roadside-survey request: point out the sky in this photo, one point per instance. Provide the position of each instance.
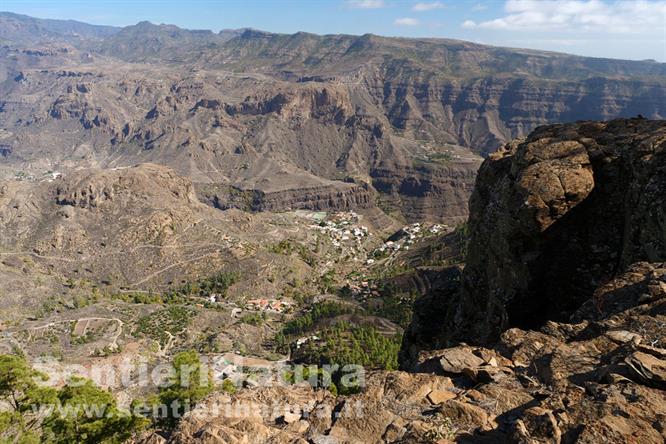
(623, 29)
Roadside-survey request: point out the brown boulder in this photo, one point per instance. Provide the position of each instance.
(458, 360)
(648, 369)
(464, 415)
(440, 396)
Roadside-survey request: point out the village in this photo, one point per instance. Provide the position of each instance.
(343, 228)
(347, 235)
(360, 286)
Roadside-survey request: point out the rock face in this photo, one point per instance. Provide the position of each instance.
(425, 191)
(553, 216)
(330, 197)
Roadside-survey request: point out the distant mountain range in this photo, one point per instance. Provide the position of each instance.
(22, 29)
(277, 113)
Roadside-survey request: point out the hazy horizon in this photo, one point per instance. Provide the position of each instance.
(593, 28)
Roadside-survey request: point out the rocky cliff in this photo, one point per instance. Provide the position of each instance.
(553, 216)
(329, 197)
(427, 191)
(436, 89)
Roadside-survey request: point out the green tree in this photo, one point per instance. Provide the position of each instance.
(344, 344)
(20, 391)
(228, 386)
(78, 413)
(87, 414)
(190, 383)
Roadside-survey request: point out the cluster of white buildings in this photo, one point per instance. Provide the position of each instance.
(48, 176)
(21, 177)
(343, 228)
(406, 237)
(437, 228)
(245, 371)
(51, 176)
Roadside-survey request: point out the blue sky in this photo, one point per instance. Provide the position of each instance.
(602, 28)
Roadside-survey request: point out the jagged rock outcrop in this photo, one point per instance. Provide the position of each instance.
(389, 410)
(553, 216)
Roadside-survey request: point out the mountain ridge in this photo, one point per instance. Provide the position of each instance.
(222, 107)
(109, 30)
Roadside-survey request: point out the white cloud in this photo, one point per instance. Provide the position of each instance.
(366, 4)
(420, 7)
(406, 21)
(479, 7)
(621, 17)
